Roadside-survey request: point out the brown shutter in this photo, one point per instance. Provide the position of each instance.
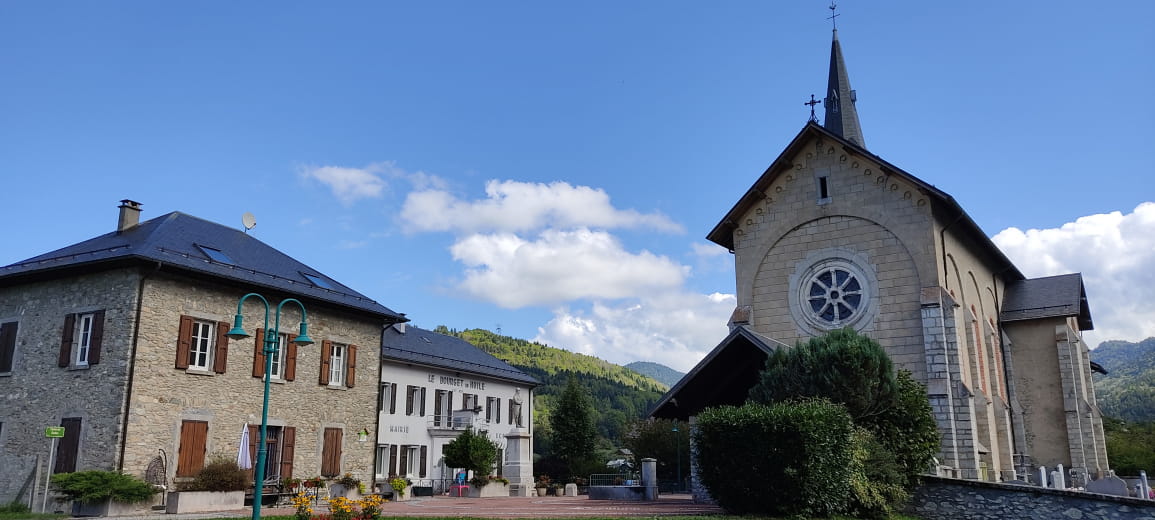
(423, 401)
(191, 454)
(65, 357)
(449, 396)
(350, 365)
(69, 448)
(393, 398)
(403, 469)
(254, 441)
(424, 459)
(331, 453)
(392, 460)
(381, 397)
(437, 408)
(288, 441)
(497, 411)
(291, 361)
(7, 345)
(184, 341)
(326, 354)
(221, 357)
(409, 399)
(97, 339)
(259, 353)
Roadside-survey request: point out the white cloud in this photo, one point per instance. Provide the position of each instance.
(559, 266)
(1115, 253)
(348, 184)
(675, 328)
(710, 250)
(512, 206)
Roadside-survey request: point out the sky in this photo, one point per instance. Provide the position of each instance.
(550, 169)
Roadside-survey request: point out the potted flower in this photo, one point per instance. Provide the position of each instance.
(218, 486)
(102, 493)
(399, 485)
(314, 482)
(290, 484)
(541, 485)
(488, 486)
(346, 486)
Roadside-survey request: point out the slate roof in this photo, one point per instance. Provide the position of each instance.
(1048, 297)
(723, 377)
(179, 241)
(415, 345)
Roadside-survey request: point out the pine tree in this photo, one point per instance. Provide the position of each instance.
(572, 425)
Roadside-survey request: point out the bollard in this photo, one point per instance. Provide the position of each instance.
(650, 479)
(1042, 476)
(1144, 486)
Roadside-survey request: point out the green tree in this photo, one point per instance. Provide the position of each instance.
(572, 425)
(657, 439)
(472, 451)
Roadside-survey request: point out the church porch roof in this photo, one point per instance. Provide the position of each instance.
(1047, 297)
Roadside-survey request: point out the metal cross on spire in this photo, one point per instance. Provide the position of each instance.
(833, 15)
(812, 102)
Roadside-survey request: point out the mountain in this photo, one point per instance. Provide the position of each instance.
(619, 395)
(656, 371)
(1128, 390)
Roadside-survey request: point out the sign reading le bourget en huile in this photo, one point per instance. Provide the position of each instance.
(443, 381)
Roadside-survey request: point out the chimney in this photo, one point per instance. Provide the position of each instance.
(129, 215)
(399, 327)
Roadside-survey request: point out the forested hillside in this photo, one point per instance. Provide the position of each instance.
(619, 395)
(657, 371)
(1128, 391)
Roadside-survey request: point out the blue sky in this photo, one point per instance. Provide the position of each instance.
(553, 168)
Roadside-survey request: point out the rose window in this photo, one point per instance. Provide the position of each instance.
(834, 295)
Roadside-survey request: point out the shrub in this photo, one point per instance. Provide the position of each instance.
(220, 474)
(472, 451)
(799, 453)
(908, 430)
(97, 486)
(875, 478)
(15, 507)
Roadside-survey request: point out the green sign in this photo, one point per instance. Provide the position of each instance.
(54, 431)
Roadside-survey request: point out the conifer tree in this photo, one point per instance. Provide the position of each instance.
(572, 425)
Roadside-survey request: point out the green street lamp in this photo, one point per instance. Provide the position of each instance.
(678, 452)
(270, 350)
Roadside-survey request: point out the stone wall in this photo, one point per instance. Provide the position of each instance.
(38, 393)
(952, 499)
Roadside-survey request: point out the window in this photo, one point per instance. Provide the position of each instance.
(830, 290)
(283, 365)
(381, 469)
(338, 364)
(81, 338)
(413, 461)
(331, 453)
(415, 400)
(190, 457)
(202, 345)
(68, 451)
(468, 401)
(317, 280)
(7, 345)
(823, 189)
(215, 254)
(280, 445)
(442, 404)
(386, 398)
(493, 409)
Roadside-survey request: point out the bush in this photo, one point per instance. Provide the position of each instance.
(97, 486)
(15, 507)
(908, 430)
(875, 478)
(472, 451)
(220, 474)
(798, 453)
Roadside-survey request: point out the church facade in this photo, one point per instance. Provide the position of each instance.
(833, 236)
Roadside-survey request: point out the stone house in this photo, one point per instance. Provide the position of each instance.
(434, 386)
(121, 340)
(832, 235)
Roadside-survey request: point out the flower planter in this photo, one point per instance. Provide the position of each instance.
(109, 508)
(350, 492)
(492, 489)
(204, 501)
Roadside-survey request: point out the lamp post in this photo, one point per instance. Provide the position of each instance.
(678, 452)
(271, 345)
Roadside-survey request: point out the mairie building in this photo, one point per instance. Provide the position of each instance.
(832, 235)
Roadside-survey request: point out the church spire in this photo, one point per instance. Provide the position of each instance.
(841, 116)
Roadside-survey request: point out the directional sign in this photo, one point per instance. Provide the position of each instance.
(54, 431)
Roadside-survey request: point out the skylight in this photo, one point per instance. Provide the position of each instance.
(216, 255)
(317, 280)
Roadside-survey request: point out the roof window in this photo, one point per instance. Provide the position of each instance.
(216, 255)
(317, 280)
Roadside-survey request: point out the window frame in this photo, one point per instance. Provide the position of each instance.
(207, 342)
(337, 363)
(9, 332)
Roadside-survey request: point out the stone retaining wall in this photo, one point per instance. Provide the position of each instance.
(953, 499)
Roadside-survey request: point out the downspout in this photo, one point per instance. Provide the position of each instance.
(125, 409)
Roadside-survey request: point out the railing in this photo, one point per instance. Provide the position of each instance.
(615, 479)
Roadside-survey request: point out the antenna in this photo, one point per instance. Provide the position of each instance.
(249, 221)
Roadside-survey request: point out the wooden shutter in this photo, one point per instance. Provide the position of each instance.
(97, 338)
(65, 357)
(409, 399)
(381, 397)
(259, 353)
(69, 447)
(191, 454)
(291, 361)
(392, 460)
(326, 354)
(422, 401)
(331, 453)
(7, 345)
(424, 460)
(184, 341)
(497, 411)
(350, 365)
(288, 443)
(510, 406)
(393, 398)
(449, 396)
(254, 441)
(437, 418)
(403, 469)
(221, 356)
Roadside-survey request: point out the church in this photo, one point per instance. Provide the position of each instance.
(831, 235)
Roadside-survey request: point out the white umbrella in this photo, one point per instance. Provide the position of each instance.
(244, 460)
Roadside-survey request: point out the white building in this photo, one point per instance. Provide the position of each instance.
(433, 386)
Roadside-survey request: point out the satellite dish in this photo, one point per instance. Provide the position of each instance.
(248, 220)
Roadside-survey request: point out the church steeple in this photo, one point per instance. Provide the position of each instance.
(841, 116)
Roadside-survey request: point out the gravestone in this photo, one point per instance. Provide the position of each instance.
(1109, 485)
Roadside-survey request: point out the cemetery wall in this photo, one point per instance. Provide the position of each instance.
(953, 499)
